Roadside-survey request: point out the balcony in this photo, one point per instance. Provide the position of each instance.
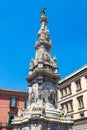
(4, 125)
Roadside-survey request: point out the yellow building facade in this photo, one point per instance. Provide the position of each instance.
(72, 97)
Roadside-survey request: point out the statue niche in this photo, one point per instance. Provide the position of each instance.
(46, 57)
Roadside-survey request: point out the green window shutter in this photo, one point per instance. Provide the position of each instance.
(10, 119)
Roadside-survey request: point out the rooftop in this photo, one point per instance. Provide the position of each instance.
(74, 73)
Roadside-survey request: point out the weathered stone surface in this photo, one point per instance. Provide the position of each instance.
(42, 112)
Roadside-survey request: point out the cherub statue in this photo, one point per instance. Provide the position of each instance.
(32, 63)
(54, 61)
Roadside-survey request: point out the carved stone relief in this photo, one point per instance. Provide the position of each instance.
(46, 57)
(40, 91)
(36, 126)
(43, 33)
(33, 93)
(40, 55)
(26, 128)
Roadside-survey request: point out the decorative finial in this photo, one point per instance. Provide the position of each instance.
(43, 15)
(43, 11)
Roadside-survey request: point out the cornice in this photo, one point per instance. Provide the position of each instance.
(12, 92)
(76, 73)
(43, 72)
(67, 98)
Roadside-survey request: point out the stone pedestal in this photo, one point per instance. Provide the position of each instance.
(38, 120)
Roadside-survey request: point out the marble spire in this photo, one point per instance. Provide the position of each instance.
(43, 112)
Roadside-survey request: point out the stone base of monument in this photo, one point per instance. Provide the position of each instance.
(39, 120)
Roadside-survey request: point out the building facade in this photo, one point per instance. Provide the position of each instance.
(11, 102)
(72, 97)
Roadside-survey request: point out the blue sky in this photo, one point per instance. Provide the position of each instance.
(19, 24)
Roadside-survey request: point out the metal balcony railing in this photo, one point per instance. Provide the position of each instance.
(5, 125)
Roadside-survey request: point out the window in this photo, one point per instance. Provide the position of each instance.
(78, 85)
(71, 106)
(80, 102)
(69, 89)
(10, 119)
(67, 106)
(61, 93)
(65, 91)
(26, 103)
(13, 102)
